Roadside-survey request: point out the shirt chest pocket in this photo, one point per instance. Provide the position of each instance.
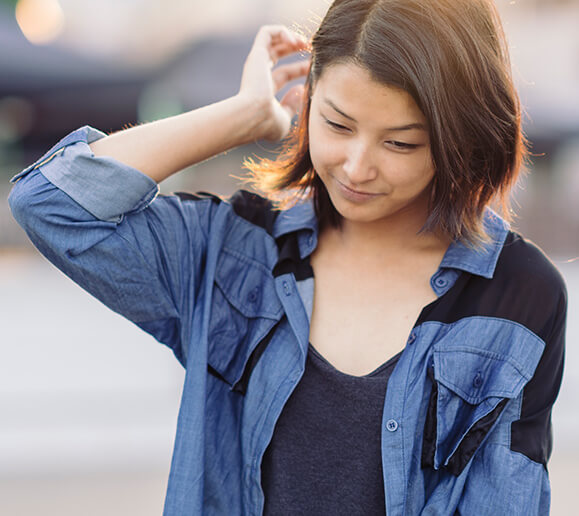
(245, 310)
(470, 390)
(475, 369)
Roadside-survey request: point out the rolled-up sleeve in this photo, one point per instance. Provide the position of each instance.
(103, 186)
(103, 224)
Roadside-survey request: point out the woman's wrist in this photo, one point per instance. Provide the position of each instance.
(257, 116)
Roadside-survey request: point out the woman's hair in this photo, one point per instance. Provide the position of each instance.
(451, 57)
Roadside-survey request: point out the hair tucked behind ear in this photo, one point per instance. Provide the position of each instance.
(452, 58)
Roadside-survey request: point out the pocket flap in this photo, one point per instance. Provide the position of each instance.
(247, 285)
(477, 367)
(476, 375)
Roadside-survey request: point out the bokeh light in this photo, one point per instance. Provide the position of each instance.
(41, 21)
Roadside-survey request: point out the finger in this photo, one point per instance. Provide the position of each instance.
(286, 47)
(279, 41)
(273, 35)
(293, 100)
(289, 72)
(282, 34)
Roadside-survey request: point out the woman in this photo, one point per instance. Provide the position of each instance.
(418, 376)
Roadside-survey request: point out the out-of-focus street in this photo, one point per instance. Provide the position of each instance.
(89, 402)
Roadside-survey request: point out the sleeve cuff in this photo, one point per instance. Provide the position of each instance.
(103, 186)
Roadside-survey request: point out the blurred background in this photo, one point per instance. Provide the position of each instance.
(88, 403)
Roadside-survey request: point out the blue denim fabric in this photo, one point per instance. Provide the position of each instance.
(198, 277)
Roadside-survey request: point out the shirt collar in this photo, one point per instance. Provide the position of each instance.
(302, 219)
(480, 260)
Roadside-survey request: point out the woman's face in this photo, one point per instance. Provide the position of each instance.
(369, 144)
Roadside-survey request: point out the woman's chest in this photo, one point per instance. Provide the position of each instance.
(359, 321)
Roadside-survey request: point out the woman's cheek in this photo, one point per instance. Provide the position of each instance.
(318, 147)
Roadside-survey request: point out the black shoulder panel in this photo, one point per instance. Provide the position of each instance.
(249, 206)
(526, 288)
(255, 209)
(531, 434)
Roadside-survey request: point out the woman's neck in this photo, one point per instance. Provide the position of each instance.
(383, 238)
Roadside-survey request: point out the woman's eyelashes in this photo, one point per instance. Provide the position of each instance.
(402, 145)
(336, 126)
(396, 144)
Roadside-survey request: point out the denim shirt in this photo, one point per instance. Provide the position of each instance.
(466, 419)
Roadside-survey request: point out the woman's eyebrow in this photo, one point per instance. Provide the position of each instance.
(408, 127)
(338, 110)
(405, 127)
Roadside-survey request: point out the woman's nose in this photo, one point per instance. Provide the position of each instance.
(358, 164)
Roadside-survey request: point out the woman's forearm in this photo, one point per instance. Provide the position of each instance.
(161, 148)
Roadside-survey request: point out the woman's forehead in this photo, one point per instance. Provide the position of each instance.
(349, 90)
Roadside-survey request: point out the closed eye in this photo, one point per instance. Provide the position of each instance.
(402, 145)
(336, 126)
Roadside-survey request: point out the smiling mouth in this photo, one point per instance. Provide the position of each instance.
(354, 195)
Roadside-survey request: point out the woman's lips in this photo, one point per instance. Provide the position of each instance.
(354, 195)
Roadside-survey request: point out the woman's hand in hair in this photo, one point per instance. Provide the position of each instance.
(163, 147)
(261, 81)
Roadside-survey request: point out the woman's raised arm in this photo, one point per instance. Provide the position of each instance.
(98, 218)
(161, 148)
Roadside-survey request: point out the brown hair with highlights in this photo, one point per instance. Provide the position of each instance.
(451, 57)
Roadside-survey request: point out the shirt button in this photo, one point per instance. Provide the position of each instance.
(392, 425)
(253, 295)
(286, 288)
(478, 381)
(412, 338)
(441, 282)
